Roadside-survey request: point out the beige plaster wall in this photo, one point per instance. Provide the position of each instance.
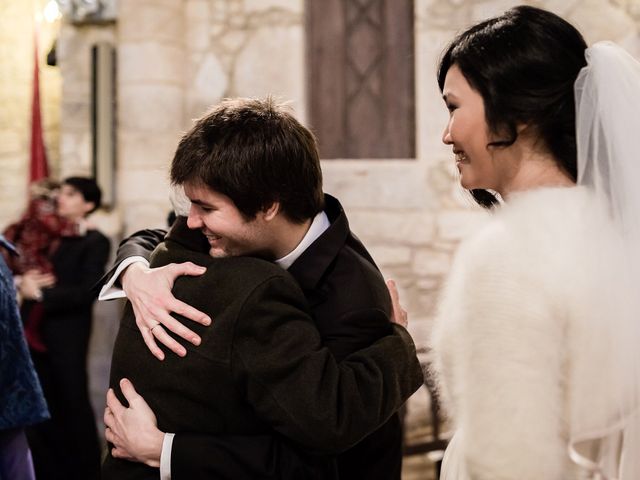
(177, 57)
(17, 23)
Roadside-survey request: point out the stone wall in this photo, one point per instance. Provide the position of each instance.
(17, 23)
(412, 214)
(177, 57)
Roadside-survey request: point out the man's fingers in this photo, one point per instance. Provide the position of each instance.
(187, 311)
(110, 436)
(398, 313)
(150, 293)
(150, 342)
(172, 324)
(129, 391)
(163, 337)
(186, 268)
(107, 418)
(121, 453)
(395, 296)
(113, 403)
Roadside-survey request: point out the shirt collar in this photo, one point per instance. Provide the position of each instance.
(318, 226)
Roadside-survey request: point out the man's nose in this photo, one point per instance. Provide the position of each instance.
(193, 220)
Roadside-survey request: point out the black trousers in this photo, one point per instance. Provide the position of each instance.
(67, 445)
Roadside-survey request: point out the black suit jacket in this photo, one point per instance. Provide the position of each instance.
(78, 263)
(261, 367)
(352, 308)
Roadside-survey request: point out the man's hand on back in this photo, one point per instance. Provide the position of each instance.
(398, 314)
(133, 431)
(149, 291)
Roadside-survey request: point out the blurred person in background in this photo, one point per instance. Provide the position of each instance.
(36, 236)
(67, 447)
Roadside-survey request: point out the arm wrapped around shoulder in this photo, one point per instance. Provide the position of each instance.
(296, 385)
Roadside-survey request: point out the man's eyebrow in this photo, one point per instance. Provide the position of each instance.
(202, 203)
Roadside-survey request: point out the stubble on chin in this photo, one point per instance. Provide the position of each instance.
(217, 253)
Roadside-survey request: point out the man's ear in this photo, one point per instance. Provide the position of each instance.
(271, 211)
(88, 206)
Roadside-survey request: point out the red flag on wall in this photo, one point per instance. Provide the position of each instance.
(38, 167)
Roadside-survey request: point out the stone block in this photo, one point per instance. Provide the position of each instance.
(431, 114)
(138, 150)
(380, 184)
(456, 225)
(197, 10)
(143, 62)
(138, 216)
(150, 108)
(429, 283)
(157, 20)
(394, 228)
(75, 152)
(74, 56)
(11, 142)
(255, 6)
(143, 186)
(206, 86)
(599, 20)
(197, 25)
(279, 73)
(427, 261)
(75, 115)
(386, 256)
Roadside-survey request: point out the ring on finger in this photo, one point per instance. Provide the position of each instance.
(151, 329)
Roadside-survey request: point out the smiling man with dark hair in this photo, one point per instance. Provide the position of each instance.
(252, 173)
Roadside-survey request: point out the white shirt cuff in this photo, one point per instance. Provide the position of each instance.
(165, 456)
(109, 291)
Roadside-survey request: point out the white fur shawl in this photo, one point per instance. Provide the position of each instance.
(515, 319)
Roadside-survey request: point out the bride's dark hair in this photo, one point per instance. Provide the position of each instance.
(524, 64)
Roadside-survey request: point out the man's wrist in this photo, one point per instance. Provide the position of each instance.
(112, 289)
(154, 454)
(128, 272)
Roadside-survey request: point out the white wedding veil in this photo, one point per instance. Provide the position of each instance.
(604, 427)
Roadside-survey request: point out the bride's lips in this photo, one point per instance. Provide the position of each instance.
(461, 158)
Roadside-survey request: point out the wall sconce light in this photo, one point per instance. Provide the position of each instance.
(89, 12)
(51, 11)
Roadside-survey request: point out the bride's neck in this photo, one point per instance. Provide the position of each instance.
(535, 169)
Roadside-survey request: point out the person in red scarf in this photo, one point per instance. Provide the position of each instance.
(37, 235)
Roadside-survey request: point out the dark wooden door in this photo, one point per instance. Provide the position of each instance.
(361, 77)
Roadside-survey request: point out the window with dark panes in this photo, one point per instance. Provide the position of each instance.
(361, 77)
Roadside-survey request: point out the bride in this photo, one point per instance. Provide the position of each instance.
(537, 339)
